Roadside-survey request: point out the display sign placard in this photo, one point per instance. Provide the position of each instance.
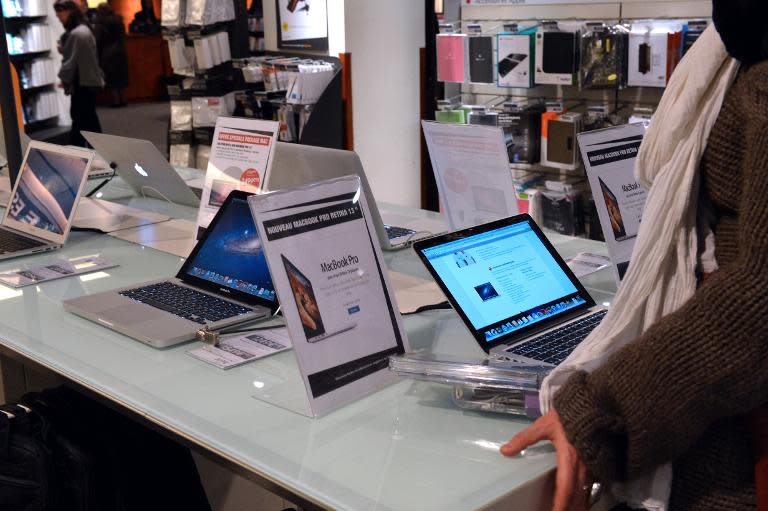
(241, 158)
(329, 273)
(609, 158)
(471, 165)
(302, 24)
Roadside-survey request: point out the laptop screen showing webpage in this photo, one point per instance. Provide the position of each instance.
(505, 281)
(231, 257)
(48, 189)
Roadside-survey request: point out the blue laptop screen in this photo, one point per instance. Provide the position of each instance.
(231, 255)
(504, 280)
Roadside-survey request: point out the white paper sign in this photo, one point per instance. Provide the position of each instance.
(609, 158)
(471, 166)
(332, 282)
(236, 351)
(240, 159)
(54, 270)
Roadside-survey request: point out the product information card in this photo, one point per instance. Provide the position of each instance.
(54, 270)
(471, 166)
(609, 157)
(332, 282)
(241, 158)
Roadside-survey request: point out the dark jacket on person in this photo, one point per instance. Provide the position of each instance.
(683, 391)
(80, 63)
(113, 58)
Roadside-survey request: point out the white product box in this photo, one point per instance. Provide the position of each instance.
(648, 59)
(514, 60)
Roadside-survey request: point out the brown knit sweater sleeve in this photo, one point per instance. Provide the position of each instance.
(652, 400)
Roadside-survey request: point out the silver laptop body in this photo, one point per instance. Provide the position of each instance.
(143, 168)
(43, 201)
(214, 269)
(297, 165)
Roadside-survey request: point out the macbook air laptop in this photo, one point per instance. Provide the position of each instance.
(223, 282)
(513, 291)
(299, 165)
(315, 329)
(43, 201)
(142, 167)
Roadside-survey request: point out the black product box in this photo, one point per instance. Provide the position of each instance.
(481, 59)
(562, 212)
(522, 124)
(204, 136)
(604, 59)
(180, 137)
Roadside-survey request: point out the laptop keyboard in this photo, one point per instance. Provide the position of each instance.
(555, 346)
(11, 242)
(398, 232)
(185, 302)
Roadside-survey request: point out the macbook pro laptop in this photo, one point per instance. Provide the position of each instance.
(223, 282)
(513, 291)
(43, 201)
(315, 329)
(299, 165)
(142, 167)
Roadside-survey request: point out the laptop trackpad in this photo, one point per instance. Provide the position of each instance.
(132, 314)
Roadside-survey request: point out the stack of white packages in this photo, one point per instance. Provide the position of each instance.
(44, 106)
(34, 7)
(37, 37)
(205, 110)
(181, 115)
(207, 12)
(212, 50)
(172, 13)
(182, 57)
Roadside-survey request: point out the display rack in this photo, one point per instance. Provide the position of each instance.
(30, 45)
(617, 104)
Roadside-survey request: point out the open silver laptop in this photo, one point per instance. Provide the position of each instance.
(43, 201)
(224, 281)
(297, 165)
(142, 167)
(513, 291)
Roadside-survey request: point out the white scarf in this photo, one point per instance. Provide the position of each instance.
(661, 276)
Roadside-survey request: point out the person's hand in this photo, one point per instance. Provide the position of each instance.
(573, 485)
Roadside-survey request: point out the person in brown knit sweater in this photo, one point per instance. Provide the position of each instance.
(682, 392)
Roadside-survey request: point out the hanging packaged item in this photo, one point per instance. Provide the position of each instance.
(653, 50)
(557, 54)
(481, 59)
(451, 57)
(562, 211)
(559, 148)
(521, 121)
(515, 56)
(691, 33)
(172, 13)
(603, 57)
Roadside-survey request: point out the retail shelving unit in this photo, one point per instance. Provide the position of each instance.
(30, 44)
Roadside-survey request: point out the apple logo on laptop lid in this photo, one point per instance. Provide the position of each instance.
(140, 169)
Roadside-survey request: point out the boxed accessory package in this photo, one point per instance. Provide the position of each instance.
(480, 49)
(515, 51)
(603, 57)
(521, 120)
(691, 33)
(562, 211)
(557, 54)
(451, 57)
(559, 147)
(205, 110)
(487, 385)
(654, 50)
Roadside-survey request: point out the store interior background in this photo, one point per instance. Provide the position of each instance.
(386, 43)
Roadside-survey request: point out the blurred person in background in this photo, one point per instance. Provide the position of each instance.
(80, 74)
(109, 30)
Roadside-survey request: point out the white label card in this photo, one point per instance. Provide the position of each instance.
(54, 270)
(239, 350)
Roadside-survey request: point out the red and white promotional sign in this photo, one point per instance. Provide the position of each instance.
(241, 159)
